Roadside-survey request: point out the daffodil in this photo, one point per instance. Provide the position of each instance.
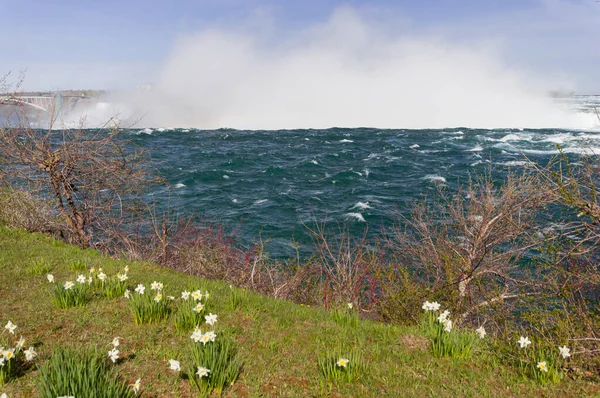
(174, 365)
(156, 286)
(447, 325)
(10, 327)
(50, 278)
(342, 362)
(113, 355)
(211, 319)
(89, 280)
(30, 354)
(126, 269)
(21, 343)
(140, 289)
(205, 339)
(8, 354)
(92, 270)
(542, 366)
(564, 351)
(196, 335)
(206, 295)
(197, 295)
(202, 372)
(426, 306)
(199, 307)
(524, 342)
(122, 277)
(137, 385)
(481, 332)
(443, 316)
(185, 295)
(127, 294)
(68, 285)
(435, 306)
(102, 276)
(4, 395)
(171, 298)
(81, 279)
(350, 306)
(158, 297)
(116, 342)
(211, 336)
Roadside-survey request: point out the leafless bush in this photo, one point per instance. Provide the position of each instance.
(91, 178)
(347, 267)
(466, 248)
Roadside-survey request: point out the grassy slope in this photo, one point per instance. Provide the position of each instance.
(279, 341)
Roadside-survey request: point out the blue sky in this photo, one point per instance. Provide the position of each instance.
(110, 43)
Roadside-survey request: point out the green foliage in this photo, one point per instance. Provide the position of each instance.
(451, 343)
(147, 308)
(39, 267)
(78, 265)
(237, 297)
(339, 367)
(220, 358)
(345, 316)
(113, 287)
(76, 296)
(187, 317)
(13, 367)
(80, 374)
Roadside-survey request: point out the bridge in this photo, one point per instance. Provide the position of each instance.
(41, 103)
(44, 103)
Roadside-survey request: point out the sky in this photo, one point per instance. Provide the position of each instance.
(119, 44)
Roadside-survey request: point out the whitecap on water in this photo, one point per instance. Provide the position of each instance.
(434, 177)
(225, 176)
(180, 185)
(346, 140)
(314, 162)
(361, 205)
(477, 148)
(261, 201)
(359, 217)
(414, 146)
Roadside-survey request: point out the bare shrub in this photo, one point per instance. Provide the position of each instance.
(347, 267)
(466, 248)
(570, 259)
(91, 178)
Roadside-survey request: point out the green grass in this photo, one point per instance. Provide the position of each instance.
(280, 344)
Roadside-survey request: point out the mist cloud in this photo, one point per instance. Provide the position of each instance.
(346, 72)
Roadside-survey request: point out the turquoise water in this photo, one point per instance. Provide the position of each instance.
(270, 183)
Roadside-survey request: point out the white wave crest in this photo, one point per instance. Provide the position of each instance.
(359, 217)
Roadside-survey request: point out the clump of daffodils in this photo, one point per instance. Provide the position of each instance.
(11, 357)
(427, 306)
(204, 338)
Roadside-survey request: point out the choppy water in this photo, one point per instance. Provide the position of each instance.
(271, 182)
